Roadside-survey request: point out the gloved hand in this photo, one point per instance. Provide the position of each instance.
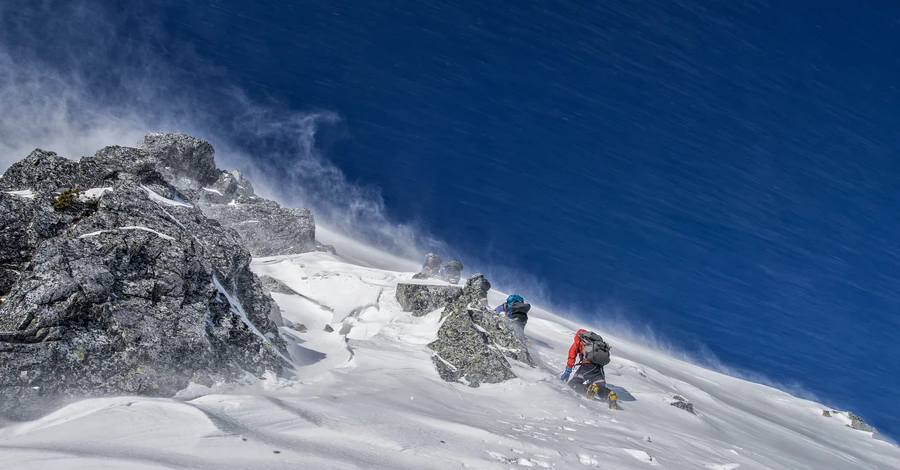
(565, 375)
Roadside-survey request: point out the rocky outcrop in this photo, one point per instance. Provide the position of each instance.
(266, 227)
(421, 298)
(682, 404)
(857, 423)
(186, 162)
(128, 289)
(473, 342)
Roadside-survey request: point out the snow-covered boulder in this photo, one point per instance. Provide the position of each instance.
(125, 289)
(267, 228)
(421, 297)
(474, 342)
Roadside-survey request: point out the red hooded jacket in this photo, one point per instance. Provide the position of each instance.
(576, 351)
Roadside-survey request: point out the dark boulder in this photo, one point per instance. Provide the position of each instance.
(135, 292)
(473, 342)
(421, 298)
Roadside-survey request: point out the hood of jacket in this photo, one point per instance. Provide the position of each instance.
(578, 336)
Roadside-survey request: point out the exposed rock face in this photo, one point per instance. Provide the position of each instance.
(136, 292)
(474, 342)
(682, 404)
(266, 227)
(421, 298)
(857, 423)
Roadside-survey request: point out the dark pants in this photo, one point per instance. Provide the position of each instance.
(587, 374)
(517, 323)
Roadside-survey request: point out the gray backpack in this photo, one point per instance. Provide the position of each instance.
(596, 351)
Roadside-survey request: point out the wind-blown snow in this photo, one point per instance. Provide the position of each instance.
(367, 396)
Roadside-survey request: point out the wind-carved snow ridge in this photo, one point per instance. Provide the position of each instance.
(385, 406)
(163, 200)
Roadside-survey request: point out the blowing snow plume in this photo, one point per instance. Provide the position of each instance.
(75, 77)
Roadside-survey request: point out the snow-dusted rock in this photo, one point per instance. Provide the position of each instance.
(682, 404)
(128, 294)
(185, 161)
(474, 342)
(41, 171)
(421, 298)
(857, 423)
(267, 228)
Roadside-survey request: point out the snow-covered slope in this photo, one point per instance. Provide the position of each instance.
(367, 396)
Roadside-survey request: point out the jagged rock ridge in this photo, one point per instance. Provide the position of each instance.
(266, 227)
(134, 287)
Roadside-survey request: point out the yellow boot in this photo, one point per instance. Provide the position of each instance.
(613, 400)
(592, 391)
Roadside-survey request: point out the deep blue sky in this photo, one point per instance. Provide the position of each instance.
(726, 175)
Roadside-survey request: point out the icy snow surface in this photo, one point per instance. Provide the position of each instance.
(367, 396)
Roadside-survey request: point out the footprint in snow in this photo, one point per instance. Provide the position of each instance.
(520, 461)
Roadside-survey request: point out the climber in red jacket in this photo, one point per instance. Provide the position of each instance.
(591, 353)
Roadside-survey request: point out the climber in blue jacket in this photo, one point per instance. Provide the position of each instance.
(516, 310)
